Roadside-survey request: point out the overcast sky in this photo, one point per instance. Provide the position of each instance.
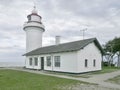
(61, 17)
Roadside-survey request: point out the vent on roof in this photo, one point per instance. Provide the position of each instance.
(57, 40)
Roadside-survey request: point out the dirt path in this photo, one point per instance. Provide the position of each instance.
(101, 78)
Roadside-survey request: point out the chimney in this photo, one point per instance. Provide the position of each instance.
(57, 40)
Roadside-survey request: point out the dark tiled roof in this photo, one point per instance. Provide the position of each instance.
(65, 47)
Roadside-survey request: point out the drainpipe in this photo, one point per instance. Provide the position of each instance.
(52, 63)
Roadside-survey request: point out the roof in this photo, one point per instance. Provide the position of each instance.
(65, 47)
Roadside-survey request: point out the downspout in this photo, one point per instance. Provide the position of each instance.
(33, 62)
(102, 55)
(25, 61)
(118, 59)
(52, 63)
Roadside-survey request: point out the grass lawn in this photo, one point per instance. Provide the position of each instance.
(106, 70)
(115, 80)
(18, 80)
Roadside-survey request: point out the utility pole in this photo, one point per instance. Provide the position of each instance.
(83, 30)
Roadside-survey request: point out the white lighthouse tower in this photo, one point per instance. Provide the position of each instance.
(34, 29)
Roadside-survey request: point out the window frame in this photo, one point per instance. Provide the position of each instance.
(86, 63)
(36, 61)
(57, 61)
(48, 61)
(29, 18)
(94, 63)
(30, 61)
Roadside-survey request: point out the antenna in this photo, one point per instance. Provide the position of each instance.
(83, 30)
(34, 8)
(34, 4)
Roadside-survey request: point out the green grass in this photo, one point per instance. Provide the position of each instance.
(115, 80)
(105, 70)
(18, 80)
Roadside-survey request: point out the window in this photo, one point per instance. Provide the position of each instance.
(36, 61)
(29, 17)
(57, 61)
(30, 61)
(94, 62)
(48, 60)
(86, 63)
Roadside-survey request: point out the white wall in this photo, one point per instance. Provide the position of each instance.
(90, 52)
(35, 18)
(68, 62)
(72, 62)
(33, 38)
(33, 64)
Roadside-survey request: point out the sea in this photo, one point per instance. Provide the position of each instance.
(12, 64)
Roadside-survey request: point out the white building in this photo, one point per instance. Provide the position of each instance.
(34, 29)
(73, 57)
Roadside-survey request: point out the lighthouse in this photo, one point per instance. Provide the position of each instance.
(34, 30)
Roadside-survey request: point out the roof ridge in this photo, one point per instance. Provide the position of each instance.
(67, 42)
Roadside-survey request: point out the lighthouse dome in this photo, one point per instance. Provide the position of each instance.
(34, 11)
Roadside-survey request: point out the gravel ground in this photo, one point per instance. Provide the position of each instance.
(86, 87)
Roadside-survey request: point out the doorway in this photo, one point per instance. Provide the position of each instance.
(42, 63)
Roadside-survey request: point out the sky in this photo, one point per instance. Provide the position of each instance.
(66, 18)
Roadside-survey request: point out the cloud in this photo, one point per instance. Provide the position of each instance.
(60, 17)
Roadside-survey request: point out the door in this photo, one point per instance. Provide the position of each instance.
(42, 63)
